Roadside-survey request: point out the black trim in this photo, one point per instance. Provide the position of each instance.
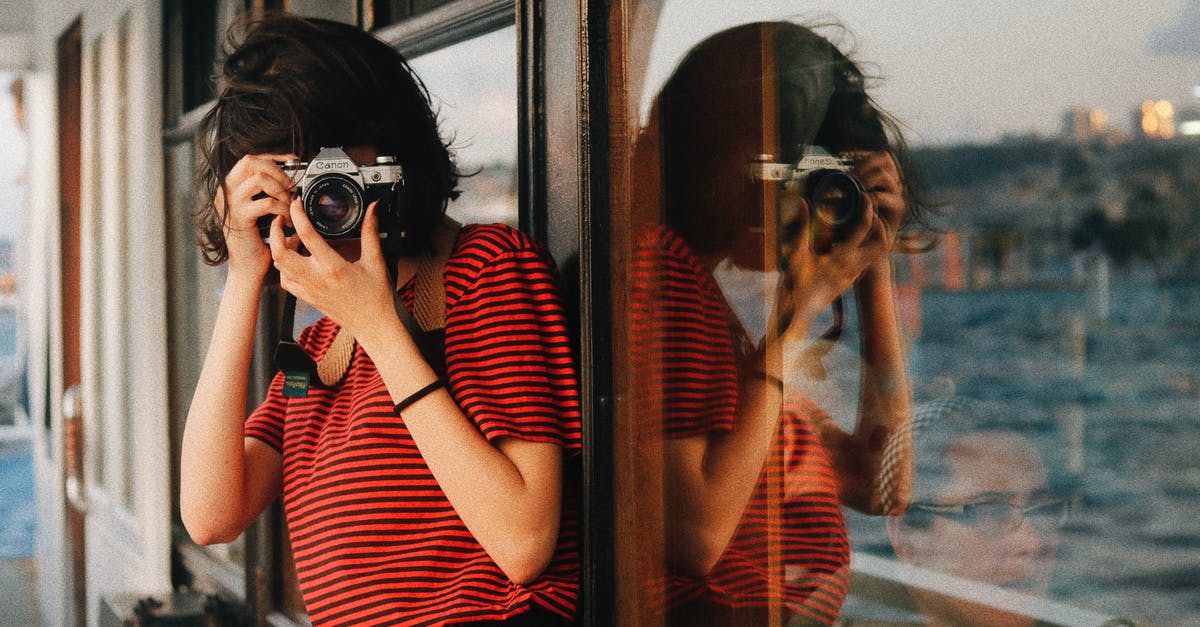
(447, 25)
(533, 206)
(599, 607)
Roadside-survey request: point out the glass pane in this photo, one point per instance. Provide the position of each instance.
(18, 514)
(105, 408)
(474, 90)
(906, 315)
(339, 10)
(199, 49)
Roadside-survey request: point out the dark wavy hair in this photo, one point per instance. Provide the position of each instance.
(288, 84)
(716, 94)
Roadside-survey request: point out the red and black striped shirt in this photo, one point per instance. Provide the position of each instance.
(375, 539)
(687, 340)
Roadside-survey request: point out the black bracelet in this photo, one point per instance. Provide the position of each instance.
(420, 394)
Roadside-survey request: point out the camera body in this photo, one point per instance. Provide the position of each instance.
(835, 197)
(335, 193)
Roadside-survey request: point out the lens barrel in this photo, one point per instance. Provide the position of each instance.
(334, 205)
(836, 202)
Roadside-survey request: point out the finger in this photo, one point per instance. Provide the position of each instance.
(793, 211)
(292, 286)
(249, 165)
(308, 235)
(278, 243)
(273, 164)
(251, 216)
(876, 237)
(259, 184)
(370, 246)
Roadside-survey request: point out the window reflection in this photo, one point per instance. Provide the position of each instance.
(982, 510)
(1047, 335)
(779, 192)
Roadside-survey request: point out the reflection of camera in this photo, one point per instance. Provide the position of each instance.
(836, 199)
(335, 193)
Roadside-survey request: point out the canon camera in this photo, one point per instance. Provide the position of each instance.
(836, 199)
(335, 193)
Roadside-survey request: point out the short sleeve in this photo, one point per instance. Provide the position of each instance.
(509, 357)
(683, 336)
(266, 422)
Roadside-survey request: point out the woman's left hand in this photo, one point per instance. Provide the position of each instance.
(354, 293)
(880, 176)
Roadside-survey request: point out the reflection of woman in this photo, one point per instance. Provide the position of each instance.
(981, 510)
(754, 473)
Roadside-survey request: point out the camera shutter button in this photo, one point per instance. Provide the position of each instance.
(385, 160)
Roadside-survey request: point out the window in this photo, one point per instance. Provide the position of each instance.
(994, 422)
(476, 101)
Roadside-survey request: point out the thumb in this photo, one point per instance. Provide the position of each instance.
(371, 248)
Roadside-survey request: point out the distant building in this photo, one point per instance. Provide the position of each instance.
(1084, 125)
(1155, 119)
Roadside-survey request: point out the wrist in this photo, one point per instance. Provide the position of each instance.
(876, 274)
(241, 279)
(380, 333)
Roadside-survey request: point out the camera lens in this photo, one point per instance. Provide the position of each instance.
(334, 205)
(836, 203)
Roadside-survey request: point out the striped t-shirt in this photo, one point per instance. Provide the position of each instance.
(375, 539)
(791, 544)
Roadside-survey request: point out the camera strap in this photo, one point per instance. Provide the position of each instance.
(297, 367)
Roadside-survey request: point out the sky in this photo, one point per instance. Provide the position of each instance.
(976, 70)
(476, 101)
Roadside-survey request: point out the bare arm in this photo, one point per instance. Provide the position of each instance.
(507, 492)
(711, 478)
(874, 461)
(226, 480)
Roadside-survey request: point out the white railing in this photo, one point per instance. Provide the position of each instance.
(887, 582)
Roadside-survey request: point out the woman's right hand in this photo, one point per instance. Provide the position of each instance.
(257, 187)
(814, 279)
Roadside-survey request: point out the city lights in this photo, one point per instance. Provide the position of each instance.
(1158, 119)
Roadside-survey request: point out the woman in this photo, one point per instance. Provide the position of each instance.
(412, 497)
(731, 286)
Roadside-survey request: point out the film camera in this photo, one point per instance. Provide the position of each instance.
(836, 199)
(335, 193)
